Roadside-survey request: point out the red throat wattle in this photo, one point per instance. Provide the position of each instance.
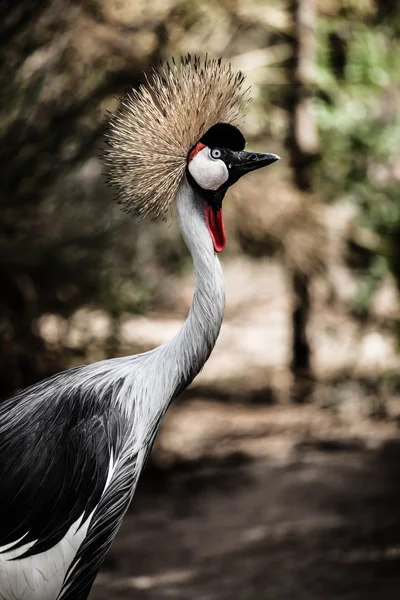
(216, 227)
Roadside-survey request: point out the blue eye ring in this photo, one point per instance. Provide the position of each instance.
(215, 153)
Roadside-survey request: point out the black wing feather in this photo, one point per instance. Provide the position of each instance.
(102, 530)
(105, 523)
(55, 445)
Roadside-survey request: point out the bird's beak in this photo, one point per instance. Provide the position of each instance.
(238, 163)
(242, 162)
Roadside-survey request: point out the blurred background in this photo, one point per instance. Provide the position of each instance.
(276, 474)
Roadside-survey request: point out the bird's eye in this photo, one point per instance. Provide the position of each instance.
(216, 153)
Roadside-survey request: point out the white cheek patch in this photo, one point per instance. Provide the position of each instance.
(209, 174)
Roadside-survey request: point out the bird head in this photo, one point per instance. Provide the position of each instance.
(215, 163)
(183, 123)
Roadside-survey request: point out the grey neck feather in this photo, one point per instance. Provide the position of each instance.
(152, 379)
(191, 347)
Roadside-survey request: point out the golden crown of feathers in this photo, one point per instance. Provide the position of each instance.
(151, 134)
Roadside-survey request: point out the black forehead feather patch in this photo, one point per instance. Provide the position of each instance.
(224, 135)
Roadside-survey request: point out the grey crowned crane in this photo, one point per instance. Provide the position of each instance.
(72, 447)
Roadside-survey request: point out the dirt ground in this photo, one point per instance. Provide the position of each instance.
(322, 524)
(247, 497)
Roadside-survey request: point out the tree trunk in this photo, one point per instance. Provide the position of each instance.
(303, 147)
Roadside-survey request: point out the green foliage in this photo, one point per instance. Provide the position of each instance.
(357, 108)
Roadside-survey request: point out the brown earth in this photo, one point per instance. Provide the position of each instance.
(322, 524)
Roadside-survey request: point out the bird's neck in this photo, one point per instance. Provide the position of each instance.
(192, 346)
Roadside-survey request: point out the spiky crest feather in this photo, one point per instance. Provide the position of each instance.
(151, 134)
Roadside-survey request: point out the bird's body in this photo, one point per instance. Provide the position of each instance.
(87, 433)
(72, 447)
